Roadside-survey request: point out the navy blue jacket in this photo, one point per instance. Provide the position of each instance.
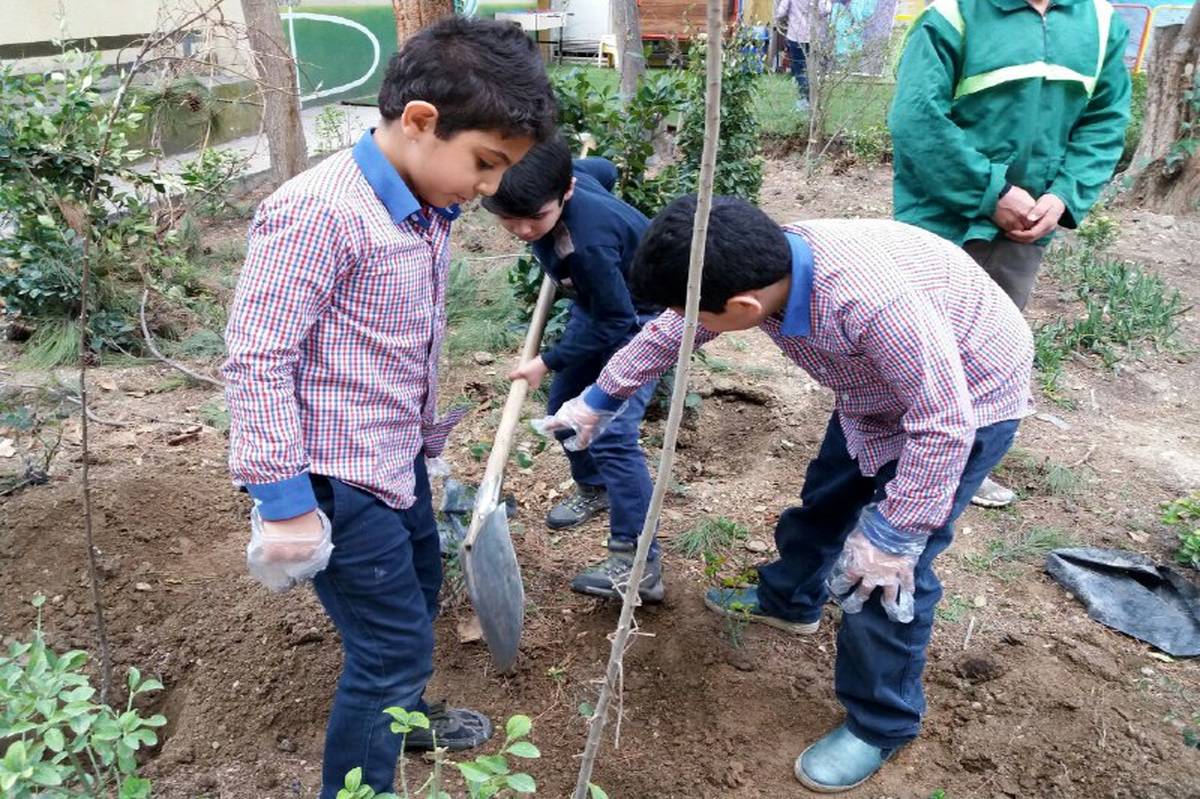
(588, 254)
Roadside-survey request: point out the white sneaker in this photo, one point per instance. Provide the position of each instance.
(991, 494)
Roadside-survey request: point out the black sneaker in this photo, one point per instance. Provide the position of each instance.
(455, 729)
(585, 503)
(609, 577)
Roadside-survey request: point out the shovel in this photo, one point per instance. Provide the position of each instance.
(489, 560)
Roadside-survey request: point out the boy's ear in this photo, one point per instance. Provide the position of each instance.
(419, 118)
(570, 191)
(747, 305)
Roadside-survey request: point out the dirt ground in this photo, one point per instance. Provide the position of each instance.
(1027, 696)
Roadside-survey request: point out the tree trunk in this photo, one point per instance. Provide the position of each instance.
(1166, 166)
(628, 26)
(276, 70)
(412, 15)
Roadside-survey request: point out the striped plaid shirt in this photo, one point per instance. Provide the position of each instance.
(334, 335)
(918, 344)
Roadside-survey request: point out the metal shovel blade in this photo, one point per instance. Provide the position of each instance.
(494, 584)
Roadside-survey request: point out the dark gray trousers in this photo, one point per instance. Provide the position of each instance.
(1013, 265)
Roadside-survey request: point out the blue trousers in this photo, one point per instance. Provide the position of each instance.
(381, 591)
(798, 55)
(879, 662)
(614, 459)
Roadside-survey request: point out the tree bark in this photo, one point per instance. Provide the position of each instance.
(276, 68)
(1165, 177)
(628, 25)
(412, 15)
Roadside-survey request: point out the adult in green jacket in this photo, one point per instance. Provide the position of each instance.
(1008, 120)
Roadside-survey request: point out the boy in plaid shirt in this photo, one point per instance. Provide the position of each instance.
(930, 364)
(334, 339)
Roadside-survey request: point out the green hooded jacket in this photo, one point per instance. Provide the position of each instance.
(991, 92)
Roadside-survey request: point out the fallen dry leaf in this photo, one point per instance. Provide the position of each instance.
(7, 450)
(106, 383)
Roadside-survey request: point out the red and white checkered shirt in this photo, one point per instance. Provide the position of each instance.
(334, 336)
(919, 345)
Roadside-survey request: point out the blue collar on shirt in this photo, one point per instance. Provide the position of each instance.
(797, 317)
(389, 187)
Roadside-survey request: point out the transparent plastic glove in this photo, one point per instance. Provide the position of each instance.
(577, 415)
(280, 560)
(862, 567)
(437, 468)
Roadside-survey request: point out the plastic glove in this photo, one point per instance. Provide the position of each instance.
(575, 414)
(437, 467)
(280, 560)
(868, 567)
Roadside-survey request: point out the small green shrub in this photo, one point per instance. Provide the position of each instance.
(333, 129)
(60, 742)
(1183, 515)
(207, 178)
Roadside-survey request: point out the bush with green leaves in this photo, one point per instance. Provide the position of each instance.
(525, 279)
(622, 133)
(59, 741)
(53, 159)
(739, 164)
(207, 178)
(1183, 515)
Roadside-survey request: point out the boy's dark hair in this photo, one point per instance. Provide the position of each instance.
(745, 250)
(480, 74)
(544, 174)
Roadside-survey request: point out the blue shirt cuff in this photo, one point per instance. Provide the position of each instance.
(597, 398)
(284, 499)
(880, 532)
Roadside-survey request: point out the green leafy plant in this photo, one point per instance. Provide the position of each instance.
(1183, 515)
(1033, 544)
(207, 177)
(622, 133)
(739, 164)
(1188, 143)
(525, 280)
(333, 129)
(60, 742)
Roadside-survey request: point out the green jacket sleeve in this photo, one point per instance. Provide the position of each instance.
(927, 143)
(1098, 138)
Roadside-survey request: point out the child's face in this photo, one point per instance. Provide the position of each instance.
(470, 163)
(445, 172)
(532, 228)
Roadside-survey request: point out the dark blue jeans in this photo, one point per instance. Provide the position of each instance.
(798, 55)
(381, 591)
(879, 662)
(614, 459)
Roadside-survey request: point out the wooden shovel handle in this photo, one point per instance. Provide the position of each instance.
(489, 489)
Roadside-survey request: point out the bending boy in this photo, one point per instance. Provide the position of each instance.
(929, 363)
(585, 238)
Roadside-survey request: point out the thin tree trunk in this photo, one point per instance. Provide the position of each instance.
(276, 70)
(412, 15)
(628, 25)
(613, 677)
(1166, 177)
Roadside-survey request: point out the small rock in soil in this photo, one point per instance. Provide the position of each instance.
(310, 636)
(143, 587)
(286, 745)
(483, 358)
(754, 545)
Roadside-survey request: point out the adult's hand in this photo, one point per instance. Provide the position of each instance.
(1040, 221)
(1013, 210)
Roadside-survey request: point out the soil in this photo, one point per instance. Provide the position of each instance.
(1027, 696)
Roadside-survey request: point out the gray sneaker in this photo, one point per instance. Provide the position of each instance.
(586, 502)
(609, 577)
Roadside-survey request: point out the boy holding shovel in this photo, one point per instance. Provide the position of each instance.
(584, 238)
(930, 364)
(334, 339)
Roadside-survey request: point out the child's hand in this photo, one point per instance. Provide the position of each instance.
(1041, 219)
(283, 553)
(576, 415)
(862, 567)
(531, 372)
